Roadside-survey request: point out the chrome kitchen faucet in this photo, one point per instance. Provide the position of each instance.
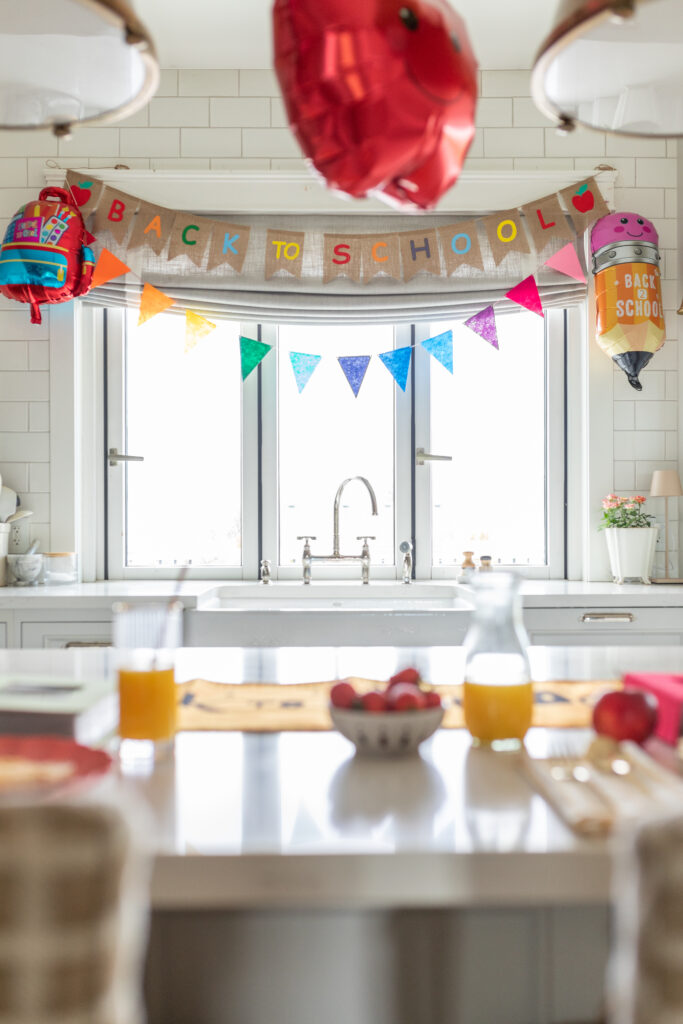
(363, 558)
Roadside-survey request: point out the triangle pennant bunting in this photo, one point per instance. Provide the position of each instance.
(397, 362)
(196, 327)
(566, 261)
(483, 323)
(303, 365)
(107, 268)
(441, 347)
(251, 354)
(152, 302)
(354, 368)
(526, 294)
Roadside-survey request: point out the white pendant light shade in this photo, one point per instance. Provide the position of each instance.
(68, 61)
(614, 65)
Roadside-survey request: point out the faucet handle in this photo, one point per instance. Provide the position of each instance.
(405, 547)
(304, 537)
(365, 537)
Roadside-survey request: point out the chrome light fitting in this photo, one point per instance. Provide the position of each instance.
(69, 62)
(614, 65)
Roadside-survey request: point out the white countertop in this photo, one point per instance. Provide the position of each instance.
(199, 593)
(293, 819)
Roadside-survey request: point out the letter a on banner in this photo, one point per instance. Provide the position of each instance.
(354, 368)
(441, 347)
(303, 365)
(152, 302)
(397, 362)
(251, 354)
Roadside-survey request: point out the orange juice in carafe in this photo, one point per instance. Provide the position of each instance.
(497, 692)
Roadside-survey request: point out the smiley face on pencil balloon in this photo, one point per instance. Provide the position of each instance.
(380, 94)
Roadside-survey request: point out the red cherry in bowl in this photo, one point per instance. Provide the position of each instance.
(342, 695)
(626, 715)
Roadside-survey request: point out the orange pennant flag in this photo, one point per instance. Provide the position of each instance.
(196, 327)
(152, 302)
(107, 268)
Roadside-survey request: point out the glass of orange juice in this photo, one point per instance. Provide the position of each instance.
(145, 639)
(497, 691)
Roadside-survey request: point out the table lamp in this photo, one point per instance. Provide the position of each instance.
(666, 484)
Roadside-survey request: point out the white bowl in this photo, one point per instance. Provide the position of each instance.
(25, 568)
(382, 733)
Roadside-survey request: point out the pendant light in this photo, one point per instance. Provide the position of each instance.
(69, 62)
(614, 65)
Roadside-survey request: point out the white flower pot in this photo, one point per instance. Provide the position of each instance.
(631, 552)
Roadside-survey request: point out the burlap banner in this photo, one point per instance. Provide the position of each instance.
(135, 223)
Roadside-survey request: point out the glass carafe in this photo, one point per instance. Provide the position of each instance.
(497, 692)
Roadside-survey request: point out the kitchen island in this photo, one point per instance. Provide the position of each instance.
(289, 874)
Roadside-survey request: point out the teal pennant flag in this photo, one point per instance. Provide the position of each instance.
(303, 365)
(354, 368)
(397, 362)
(251, 354)
(441, 347)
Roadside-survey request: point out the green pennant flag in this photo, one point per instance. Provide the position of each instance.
(251, 354)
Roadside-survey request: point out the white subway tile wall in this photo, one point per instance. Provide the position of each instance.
(232, 119)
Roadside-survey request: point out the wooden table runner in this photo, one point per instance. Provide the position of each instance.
(271, 707)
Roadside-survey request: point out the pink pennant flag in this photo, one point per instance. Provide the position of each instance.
(483, 323)
(566, 261)
(526, 294)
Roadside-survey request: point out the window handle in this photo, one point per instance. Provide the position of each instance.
(421, 456)
(116, 456)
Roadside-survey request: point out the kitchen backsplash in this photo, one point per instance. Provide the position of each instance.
(234, 119)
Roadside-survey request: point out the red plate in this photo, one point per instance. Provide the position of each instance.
(83, 761)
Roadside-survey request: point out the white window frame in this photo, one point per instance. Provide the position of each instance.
(76, 402)
(554, 469)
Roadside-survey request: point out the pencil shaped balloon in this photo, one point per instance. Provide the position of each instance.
(628, 291)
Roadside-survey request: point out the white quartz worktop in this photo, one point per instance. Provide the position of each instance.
(198, 594)
(295, 820)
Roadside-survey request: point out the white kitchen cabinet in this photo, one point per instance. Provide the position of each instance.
(588, 626)
(4, 634)
(65, 634)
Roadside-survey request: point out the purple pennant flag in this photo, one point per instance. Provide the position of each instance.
(483, 323)
(354, 368)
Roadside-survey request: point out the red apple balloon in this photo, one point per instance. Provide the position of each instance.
(380, 94)
(626, 715)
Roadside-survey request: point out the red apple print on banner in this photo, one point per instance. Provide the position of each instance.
(584, 199)
(81, 192)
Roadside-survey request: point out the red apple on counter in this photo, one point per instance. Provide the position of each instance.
(626, 715)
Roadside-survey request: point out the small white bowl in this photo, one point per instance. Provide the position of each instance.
(386, 733)
(25, 568)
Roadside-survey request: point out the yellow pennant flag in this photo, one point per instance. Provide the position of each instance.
(196, 327)
(152, 302)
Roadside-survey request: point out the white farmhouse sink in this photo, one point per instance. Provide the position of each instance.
(290, 614)
(328, 596)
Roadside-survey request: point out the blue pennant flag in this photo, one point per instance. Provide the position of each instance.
(354, 368)
(303, 365)
(397, 362)
(441, 347)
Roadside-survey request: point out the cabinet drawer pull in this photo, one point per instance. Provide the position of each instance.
(608, 617)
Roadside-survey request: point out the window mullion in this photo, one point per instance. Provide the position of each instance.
(422, 474)
(269, 462)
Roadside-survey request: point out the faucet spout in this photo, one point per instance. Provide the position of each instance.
(337, 501)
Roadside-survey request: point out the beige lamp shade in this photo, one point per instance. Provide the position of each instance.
(614, 65)
(666, 483)
(70, 62)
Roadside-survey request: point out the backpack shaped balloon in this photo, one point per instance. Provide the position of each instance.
(43, 258)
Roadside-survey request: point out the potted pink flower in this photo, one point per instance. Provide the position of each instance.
(630, 537)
